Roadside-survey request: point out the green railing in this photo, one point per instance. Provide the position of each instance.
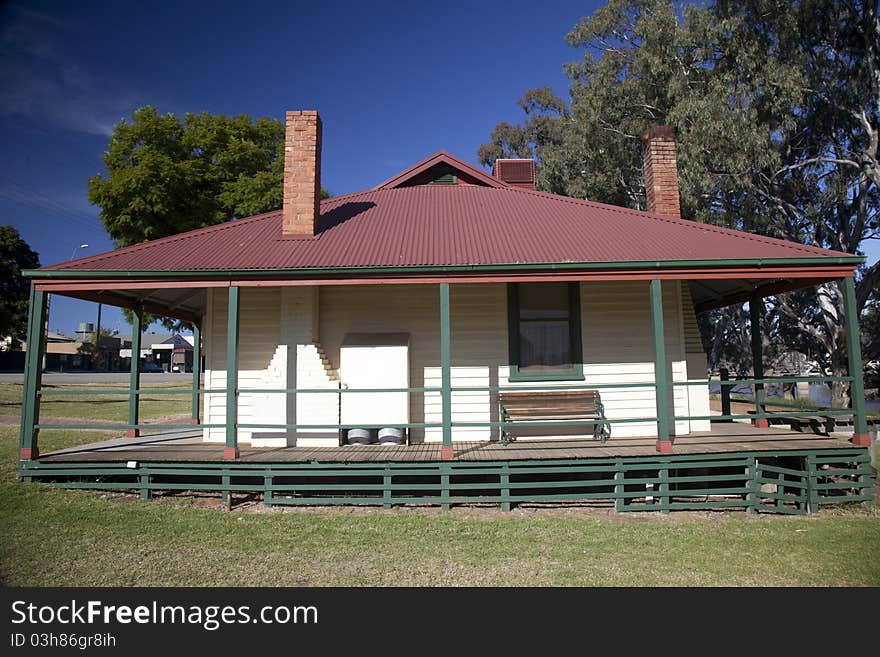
(760, 411)
(755, 482)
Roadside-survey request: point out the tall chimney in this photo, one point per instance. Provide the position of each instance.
(661, 171)
(519, 173)
(302, 174)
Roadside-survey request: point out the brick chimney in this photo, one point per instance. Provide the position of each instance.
(661, 171)
(519, 173)
(302, 174)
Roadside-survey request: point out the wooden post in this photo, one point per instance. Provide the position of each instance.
(664, 443)
(752, 485)
(231, 451)
(226, 494)
(619, 488)
(26, 386)
(386, 488)
(756, 304)
(505, 487)
(30, 405)
(446, 451)
(854, 355)
(197, 370)
(267, 488)
(145, 486)
(134, 382)
(812, 481)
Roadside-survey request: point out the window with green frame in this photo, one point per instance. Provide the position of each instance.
(544, 331)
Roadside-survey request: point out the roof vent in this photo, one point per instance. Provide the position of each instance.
(519, 173)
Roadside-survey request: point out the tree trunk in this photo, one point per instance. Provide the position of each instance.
(839, 389)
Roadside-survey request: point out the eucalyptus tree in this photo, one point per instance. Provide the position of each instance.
(776, 108)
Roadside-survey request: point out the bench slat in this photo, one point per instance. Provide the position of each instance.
(551, 405)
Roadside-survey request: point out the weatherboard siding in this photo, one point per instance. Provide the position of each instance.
(273, 354)
(697, 363)
(262, 361)
(283, 329)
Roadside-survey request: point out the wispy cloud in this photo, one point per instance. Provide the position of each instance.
(41, 79)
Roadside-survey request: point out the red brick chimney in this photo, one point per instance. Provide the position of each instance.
(302, 174)
(661, 171)
(519, 173)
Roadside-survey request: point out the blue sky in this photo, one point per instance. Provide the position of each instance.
(393, 81)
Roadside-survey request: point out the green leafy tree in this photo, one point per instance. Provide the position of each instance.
(166, 175)
(15, 255)
(776, 106)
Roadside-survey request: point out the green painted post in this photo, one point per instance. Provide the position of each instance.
(804, 506)
(197, 370)
(664, 444)
(812, 480)
(226, 492)
(267, 494)
(29, 442)
(756, 304)
(664, 490)
(231, 451)
(619, 489)
(854, 354)
(780, 491)
(145, 486)
(386, 488)
(446, 451)
(752, 485)
(25, 397)
(444, 487)
(505, 487)
(134, 383)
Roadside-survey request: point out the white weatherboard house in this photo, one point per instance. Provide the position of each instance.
(447, 312)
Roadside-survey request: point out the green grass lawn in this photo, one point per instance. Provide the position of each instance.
(100, 407)
(65, 538)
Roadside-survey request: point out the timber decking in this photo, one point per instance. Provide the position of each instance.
(187, 446)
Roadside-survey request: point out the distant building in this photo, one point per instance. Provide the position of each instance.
(170, 351)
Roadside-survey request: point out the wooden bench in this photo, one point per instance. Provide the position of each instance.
(526, 407)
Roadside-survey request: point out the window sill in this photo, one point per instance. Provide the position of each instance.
(537, 378)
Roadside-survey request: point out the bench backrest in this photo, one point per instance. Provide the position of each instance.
(547, 403)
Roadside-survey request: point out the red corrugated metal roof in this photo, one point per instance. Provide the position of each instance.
(443, 225)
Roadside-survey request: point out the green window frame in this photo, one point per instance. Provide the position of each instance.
(576, 372)
(448, 178)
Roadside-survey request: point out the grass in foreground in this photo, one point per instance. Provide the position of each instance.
(65, 538)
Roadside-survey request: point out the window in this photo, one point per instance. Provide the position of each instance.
(444, 177)
(544, 336)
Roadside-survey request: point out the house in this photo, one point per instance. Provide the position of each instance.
(63, 353)
(169, 351)
(414, 307)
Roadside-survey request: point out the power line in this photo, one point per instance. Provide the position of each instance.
(40, 201)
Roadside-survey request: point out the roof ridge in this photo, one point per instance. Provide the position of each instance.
(689, 223)
(168, 239)
(333, 199)
(440, 156)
